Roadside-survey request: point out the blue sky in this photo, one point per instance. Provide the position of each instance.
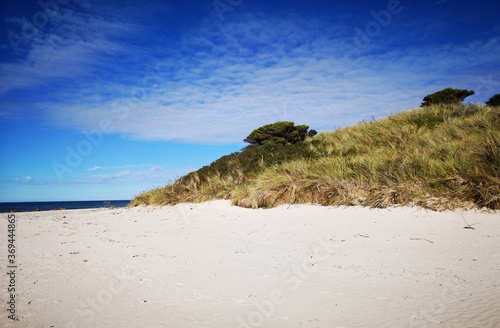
(106, 99)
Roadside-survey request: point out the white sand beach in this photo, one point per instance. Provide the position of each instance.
(216, 265)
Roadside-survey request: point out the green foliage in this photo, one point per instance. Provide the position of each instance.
(446, 96)
(253, 160)
(445, 160)
(494, 101)
(279, 133)
(312, 133)
(438, 157)
(224, 175)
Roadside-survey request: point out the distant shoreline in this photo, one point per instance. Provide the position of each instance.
(9, 207)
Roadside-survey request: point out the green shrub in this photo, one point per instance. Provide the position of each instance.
(279, 133)
(252, 160)
(446, 96)
(494, 101)
(440, 157)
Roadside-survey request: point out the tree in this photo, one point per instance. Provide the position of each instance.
(446, 96)
(494, 101)
(279, 133)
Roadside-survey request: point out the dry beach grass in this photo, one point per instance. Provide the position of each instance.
(439, 157)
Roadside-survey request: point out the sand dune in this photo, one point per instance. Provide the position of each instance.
(214, 265)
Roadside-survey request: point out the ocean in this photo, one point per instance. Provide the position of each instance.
(47, 206)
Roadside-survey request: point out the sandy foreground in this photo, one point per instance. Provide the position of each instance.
(214, 265)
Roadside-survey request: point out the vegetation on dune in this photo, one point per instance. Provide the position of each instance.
(446, 96)
(494, 101)
(279, 134)
(219, 179)
(440, 156)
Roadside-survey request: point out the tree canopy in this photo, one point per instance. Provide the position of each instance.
(446, 96)
(279, 133)
(494, 101)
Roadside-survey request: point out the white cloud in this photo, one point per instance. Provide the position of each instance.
(102, 168)
(152, 173)
(70, 47)
(95, 168)
(27, 180)
(134, 173)
(224, 80)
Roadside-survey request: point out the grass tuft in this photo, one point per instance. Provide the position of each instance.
(439, 157)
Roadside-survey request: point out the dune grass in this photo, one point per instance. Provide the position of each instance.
(439, 157)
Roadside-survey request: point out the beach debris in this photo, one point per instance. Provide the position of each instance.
(468, 226)
(430, 241)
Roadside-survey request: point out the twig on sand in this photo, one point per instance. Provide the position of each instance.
(430, 241)
(467, 223)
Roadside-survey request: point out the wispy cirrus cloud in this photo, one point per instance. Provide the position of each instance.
(131, 166)
(217, 82)
(78, 40)
(219, 98)
(127, 173)
(151, 173)
(24, 180)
